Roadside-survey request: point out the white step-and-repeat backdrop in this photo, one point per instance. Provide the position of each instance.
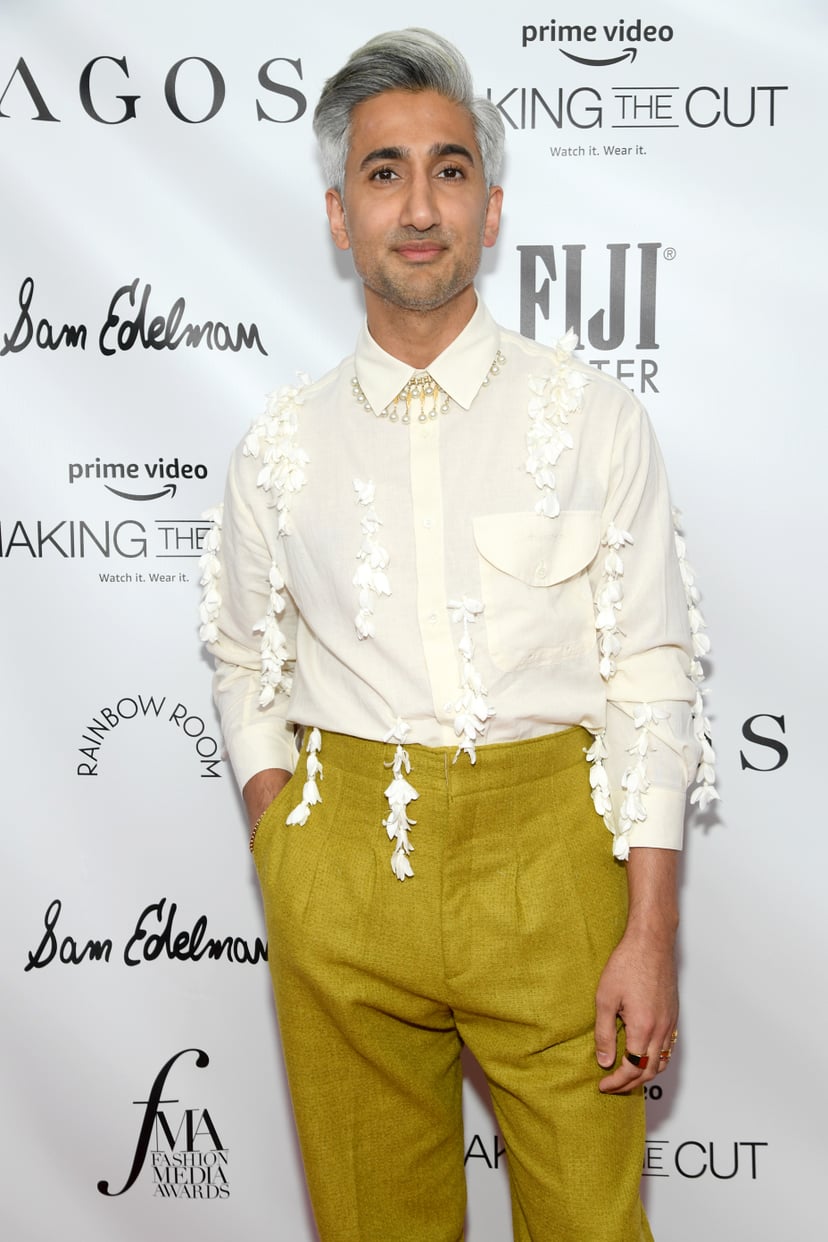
(164, 262)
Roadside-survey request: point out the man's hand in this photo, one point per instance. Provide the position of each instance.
(638, 984)
(261, 789)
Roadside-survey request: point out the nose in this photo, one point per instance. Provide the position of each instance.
(420, 209)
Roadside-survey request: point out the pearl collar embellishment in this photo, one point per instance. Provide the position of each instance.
(421, 396)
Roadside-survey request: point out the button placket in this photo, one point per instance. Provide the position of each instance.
(429, 543)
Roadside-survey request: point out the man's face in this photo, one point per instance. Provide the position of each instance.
(415, 209)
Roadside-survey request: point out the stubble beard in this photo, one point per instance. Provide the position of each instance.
(420, 289)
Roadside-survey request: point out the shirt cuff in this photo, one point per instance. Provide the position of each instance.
(664, 826)
(260, 746)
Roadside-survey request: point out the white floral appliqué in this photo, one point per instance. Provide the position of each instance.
(272, 439)
(470, 709)
(210, 567)
(310, 790)
(399, 794)
(274, 650)
(705, 790)
(634, 782)
(370, 578)
(608, 599)
(554, 399)
(598, 779)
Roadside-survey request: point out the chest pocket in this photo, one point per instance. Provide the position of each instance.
(534, 584)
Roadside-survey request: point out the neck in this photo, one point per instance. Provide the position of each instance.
(418, 337)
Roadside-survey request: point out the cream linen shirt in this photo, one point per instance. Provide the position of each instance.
(478, 562)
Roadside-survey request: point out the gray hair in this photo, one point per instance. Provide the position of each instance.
(402, 60)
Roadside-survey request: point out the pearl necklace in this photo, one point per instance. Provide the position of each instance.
(421, 391)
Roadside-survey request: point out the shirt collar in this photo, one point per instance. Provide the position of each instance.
(459, 370)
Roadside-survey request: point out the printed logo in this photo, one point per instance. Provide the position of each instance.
(607, 38)
(692, 1158)
(194, 92)
(129, 539)
(187, 1157)
(127, 323)
(634, 108)
(491, 1153)
(189, 727)
(542, 106)
(662, 1157)
(553, 280)
(132, 474)
(158, 935)
(766, 740)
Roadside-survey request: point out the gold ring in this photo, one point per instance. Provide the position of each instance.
(639, 1059)
(665, 1055)
(674, 1037)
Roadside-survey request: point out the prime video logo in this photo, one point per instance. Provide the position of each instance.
(555, 34)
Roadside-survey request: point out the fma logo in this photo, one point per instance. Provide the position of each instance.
(187, 1156)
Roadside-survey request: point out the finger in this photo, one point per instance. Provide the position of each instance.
(654, 1037)
(664, 1058)
(635, 1069)
(625, 1078)
(606, 1027)
(667, 1047)
(639, 1060)
(641, 1046)
(606, 1034)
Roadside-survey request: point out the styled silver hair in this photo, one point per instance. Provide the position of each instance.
(402, 60)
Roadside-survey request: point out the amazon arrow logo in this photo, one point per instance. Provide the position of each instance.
(169, 490)
(629, 54)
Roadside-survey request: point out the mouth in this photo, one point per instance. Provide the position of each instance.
(419, 252)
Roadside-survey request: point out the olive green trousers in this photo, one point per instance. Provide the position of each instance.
(496, 942)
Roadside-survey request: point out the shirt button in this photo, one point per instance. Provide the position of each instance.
(541, 570)
(432, 618)
(428, 523)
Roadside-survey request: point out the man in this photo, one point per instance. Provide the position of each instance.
(457, 556)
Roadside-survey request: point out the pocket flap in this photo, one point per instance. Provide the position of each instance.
(538, 550)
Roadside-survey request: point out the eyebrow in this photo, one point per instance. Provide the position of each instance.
(438, 151)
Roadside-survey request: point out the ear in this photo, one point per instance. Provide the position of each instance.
(491, 223)
(336, 219)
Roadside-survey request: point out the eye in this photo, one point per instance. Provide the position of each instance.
(452, 172)
(383, 174)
